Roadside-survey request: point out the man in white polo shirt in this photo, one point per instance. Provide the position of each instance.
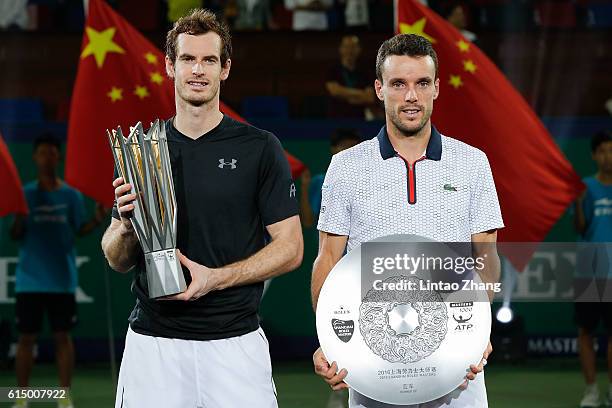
(409, 179)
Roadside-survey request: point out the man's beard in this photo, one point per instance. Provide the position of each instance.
(203, 99)
(409, 131)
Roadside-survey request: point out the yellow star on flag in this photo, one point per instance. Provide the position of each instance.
(455, 81)
(416, 28)
(141, 91)
(463, 46)
(115, 94)
(157, 78)
(151, 58)
(469, 66)
(100, 43)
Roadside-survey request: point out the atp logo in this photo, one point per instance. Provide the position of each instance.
(463, 317)
(232, 163)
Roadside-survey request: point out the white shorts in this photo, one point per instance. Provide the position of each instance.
(174, 373)
(474, 396)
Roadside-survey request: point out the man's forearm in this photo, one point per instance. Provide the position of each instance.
(276, 258)
(492, 266)
(491, 272)
(352, 93)
(121, 247)
(484, 247)
(321, 268)
(363, 97)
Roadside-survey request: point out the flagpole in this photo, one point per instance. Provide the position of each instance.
(395, 26)
(107, 271)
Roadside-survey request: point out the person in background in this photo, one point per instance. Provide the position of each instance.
(15, 15)
(254, 15)
(347, 85)
(309, 14)
(310, 202)
(356, 15)
(46, 276)
(455, 13)
(593, 221)
(310, 205)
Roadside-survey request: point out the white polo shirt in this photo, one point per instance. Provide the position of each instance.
(447, 195)
(370, 191)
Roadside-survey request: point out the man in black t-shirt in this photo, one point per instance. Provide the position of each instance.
(234, 193)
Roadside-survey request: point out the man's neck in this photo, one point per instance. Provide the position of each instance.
(195, 121)
(604, 178)
(48, 182)
(411, 147)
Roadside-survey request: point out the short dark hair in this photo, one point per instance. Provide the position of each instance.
(411, 45)
(199, 21)
(47, 139)
(344, 134)
(600, 138)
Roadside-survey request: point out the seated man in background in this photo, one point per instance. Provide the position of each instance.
(349, 88)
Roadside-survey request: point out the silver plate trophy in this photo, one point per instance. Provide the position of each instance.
(142, 159)
(400, 347)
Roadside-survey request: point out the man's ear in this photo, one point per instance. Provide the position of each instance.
(169, 68)
(378, 88)
(225, 70)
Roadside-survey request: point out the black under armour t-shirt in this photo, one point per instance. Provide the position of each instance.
(229, 183)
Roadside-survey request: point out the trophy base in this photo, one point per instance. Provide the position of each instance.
(164, 273)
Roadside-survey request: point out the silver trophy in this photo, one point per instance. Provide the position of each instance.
(142, 159)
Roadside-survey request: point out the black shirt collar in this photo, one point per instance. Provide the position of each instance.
(175, 135)
(434, 146)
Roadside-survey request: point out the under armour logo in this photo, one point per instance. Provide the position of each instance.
(223, 163)
(292, 190)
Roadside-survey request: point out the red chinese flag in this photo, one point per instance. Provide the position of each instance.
(13, 201)
(121, 80)
(478, 105)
